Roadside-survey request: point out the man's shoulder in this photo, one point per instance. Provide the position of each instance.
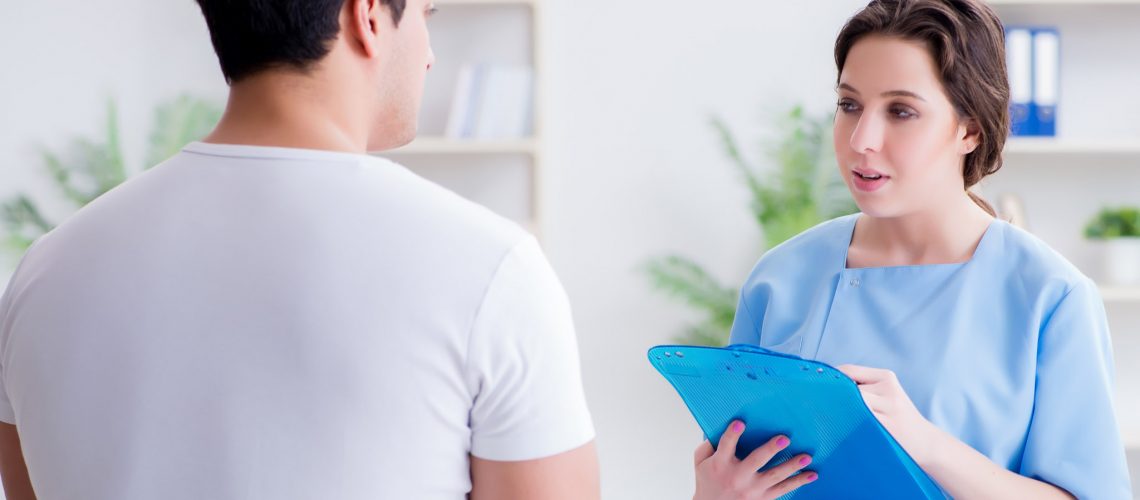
(372, 204)
(441, 210)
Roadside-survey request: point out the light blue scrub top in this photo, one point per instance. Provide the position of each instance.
(1008, 351)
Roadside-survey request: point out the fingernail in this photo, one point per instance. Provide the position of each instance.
(812, 477)
(805, 460)
(782, 442)
(737, 426)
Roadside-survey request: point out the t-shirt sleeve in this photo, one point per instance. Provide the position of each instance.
(1073, 440)
(523, 366)
(7, 414)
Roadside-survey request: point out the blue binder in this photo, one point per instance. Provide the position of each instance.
(1033, 61)
(1019, 64)
(1046, 80)
(819, 408)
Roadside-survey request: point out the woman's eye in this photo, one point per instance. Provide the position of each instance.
(903, 113)
(847, 106)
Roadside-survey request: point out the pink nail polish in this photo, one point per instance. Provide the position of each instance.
(805, 460)
(737, 426)
(812, 477)
(782, 442)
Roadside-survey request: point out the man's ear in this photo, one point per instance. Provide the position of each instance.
(363, 24)
(971, 136)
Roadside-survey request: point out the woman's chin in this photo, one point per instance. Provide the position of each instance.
(878, 209)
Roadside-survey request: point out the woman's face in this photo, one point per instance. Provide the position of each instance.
(898, 139)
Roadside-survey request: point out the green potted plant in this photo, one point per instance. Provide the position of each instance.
(85, 169)
(795, 186)
(1118, 229)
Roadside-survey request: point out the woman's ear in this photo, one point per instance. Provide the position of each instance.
(969, 136)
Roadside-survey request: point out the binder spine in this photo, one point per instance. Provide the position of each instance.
(1046, 79)
(1019, 62)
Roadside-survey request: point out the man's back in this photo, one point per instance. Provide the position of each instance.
(250, 322)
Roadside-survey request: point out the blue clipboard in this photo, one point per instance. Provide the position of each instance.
(818, 407)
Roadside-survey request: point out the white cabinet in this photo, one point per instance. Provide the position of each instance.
(504, 174)
(1094, 161)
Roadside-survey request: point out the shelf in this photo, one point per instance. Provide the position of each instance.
(1120, 293)
(445, 146)
(1041, 146)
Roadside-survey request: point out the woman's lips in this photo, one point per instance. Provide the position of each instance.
(868, 180)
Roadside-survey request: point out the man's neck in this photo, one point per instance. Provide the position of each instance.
(273, 108)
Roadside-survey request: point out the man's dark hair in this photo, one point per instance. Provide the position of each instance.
(254, 35)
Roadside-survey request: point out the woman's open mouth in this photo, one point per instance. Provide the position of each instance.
(868, 180)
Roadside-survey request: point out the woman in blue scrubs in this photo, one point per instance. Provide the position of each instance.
(983, 352)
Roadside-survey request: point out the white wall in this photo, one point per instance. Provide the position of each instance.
(635, 172)
(633, 168)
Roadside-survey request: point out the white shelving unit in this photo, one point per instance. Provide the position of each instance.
(1033, 147)
(1093, 162)
(1017, 146)
(485, 171)
(1095, 157)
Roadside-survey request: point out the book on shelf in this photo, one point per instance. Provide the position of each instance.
(492, 102)
(1033, 62)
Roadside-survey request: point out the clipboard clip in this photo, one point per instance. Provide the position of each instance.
(761, 350)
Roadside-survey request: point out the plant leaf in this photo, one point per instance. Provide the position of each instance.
(688, 281)
(178, 123)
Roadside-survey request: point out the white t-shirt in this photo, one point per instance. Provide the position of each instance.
(267, 323)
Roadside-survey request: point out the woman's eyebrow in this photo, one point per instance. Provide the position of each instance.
(889, 93)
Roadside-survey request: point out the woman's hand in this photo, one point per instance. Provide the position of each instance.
(721, 476)
(894, 409)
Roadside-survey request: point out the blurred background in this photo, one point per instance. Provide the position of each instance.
(655, 147)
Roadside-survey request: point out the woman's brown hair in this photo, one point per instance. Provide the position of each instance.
(967, 41)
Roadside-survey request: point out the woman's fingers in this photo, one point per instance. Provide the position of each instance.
(792, 483)
(719, 473)
(726, 449)
(864, 375)
(771, 477)
(871, 397)
(704, 451)
(762, 455)
(876, 402)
